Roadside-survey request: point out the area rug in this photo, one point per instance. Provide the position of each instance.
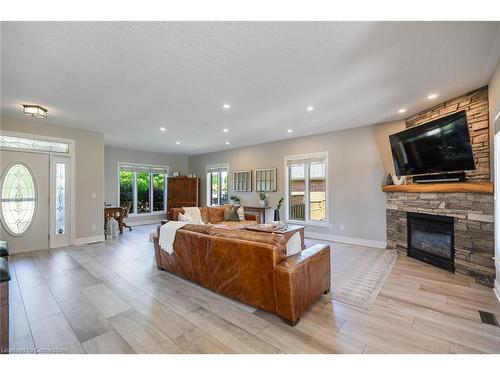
(359, 280)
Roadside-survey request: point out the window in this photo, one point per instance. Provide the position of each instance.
(60, 197)
(29, 144)
(217, 184)
(306, 190)
(142, 188)
(18, 199)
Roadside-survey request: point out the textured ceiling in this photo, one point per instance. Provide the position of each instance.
(128, 79)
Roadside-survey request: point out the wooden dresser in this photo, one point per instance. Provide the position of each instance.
(183, 192)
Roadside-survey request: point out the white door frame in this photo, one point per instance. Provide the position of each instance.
(70, 154)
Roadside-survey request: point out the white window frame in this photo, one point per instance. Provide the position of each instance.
(208, 169)
(166, 168)
(307, 221)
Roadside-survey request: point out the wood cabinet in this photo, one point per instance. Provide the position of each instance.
(183, 192)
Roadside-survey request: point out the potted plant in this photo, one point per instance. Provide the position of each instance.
(235, 199)
(277, 209)
(262, 199)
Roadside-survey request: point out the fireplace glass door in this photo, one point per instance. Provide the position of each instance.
(430, 239)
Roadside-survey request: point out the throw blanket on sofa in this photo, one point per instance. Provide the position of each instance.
(167, 235)
(194, 214)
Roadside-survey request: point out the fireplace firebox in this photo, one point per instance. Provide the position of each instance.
(431, 240)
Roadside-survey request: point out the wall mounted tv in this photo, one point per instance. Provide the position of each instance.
(442, 145)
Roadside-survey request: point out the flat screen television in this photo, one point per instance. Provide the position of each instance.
(439, 146)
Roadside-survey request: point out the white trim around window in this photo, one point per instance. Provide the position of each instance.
(217, 168)
(307, 158)
(150, 168)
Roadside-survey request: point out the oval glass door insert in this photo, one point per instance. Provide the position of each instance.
(18, 199)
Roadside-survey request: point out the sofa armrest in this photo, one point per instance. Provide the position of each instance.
(300, 280)
(252, 217)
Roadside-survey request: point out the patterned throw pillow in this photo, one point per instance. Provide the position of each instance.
(241, 213)
(232, 215)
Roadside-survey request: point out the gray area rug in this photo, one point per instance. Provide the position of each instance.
(358, 277)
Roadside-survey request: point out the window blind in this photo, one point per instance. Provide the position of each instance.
(217, 168)
(143, 168)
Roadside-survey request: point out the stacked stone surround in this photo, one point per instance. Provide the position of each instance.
(475, 104)
(473, 223)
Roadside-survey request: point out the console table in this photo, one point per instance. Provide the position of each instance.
(259, 211)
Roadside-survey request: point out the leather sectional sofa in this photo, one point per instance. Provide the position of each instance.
(251, 267)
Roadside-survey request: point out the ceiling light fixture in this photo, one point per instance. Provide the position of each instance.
(34, 110)
(177, 142)
(402, 110)
(310, 108)
(163, 129)
(226, 106)
(432, 96)
(225, 130)
(227, 142)
(290, 131)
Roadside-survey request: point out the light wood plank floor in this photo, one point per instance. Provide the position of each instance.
(110, 298)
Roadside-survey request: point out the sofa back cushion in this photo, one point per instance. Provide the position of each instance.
(215, 214)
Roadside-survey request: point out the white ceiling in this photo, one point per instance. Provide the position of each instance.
(128, 79)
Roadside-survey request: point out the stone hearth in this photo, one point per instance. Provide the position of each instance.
(473, 227)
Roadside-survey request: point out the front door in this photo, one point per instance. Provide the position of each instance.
(24, 200)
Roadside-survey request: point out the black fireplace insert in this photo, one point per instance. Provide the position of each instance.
(430, 239)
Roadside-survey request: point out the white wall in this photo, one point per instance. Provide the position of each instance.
(358, 159)
(494, 109)
(113, 155)
(89, 170)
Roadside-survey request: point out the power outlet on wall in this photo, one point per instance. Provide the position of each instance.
(94, 227)
(341, 226)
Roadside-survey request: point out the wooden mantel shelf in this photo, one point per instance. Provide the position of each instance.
(446, 187)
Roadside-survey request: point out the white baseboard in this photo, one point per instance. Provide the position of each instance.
(344, 239)
(84, 240)
(496, 289)
(144, 222)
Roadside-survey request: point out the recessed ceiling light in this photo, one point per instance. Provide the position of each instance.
(227, 142)
(402, 110)
(290, 131)
(432, 96)
(34, 110)
(177, 142)
(163, 129)
(226, 106)
(225, 130)
(310, 108)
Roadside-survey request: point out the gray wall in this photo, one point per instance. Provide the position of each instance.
(358, 159)
(113, 155)
(89, 169)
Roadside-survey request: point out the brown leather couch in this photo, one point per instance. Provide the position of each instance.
(250, 267)
(215, 215)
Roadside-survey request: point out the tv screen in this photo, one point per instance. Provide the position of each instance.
(441, 145)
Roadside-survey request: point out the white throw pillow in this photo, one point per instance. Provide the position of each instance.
(185, 218)
(241, 213)
(294, 245)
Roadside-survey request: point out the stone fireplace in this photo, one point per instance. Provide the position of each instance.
(472, 218)
(467, 208)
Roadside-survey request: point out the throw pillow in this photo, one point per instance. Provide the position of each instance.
(294, 245)
(185, 218)
(241, 213)
(232, 215)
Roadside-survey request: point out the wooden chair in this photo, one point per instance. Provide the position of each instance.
(126, 210)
